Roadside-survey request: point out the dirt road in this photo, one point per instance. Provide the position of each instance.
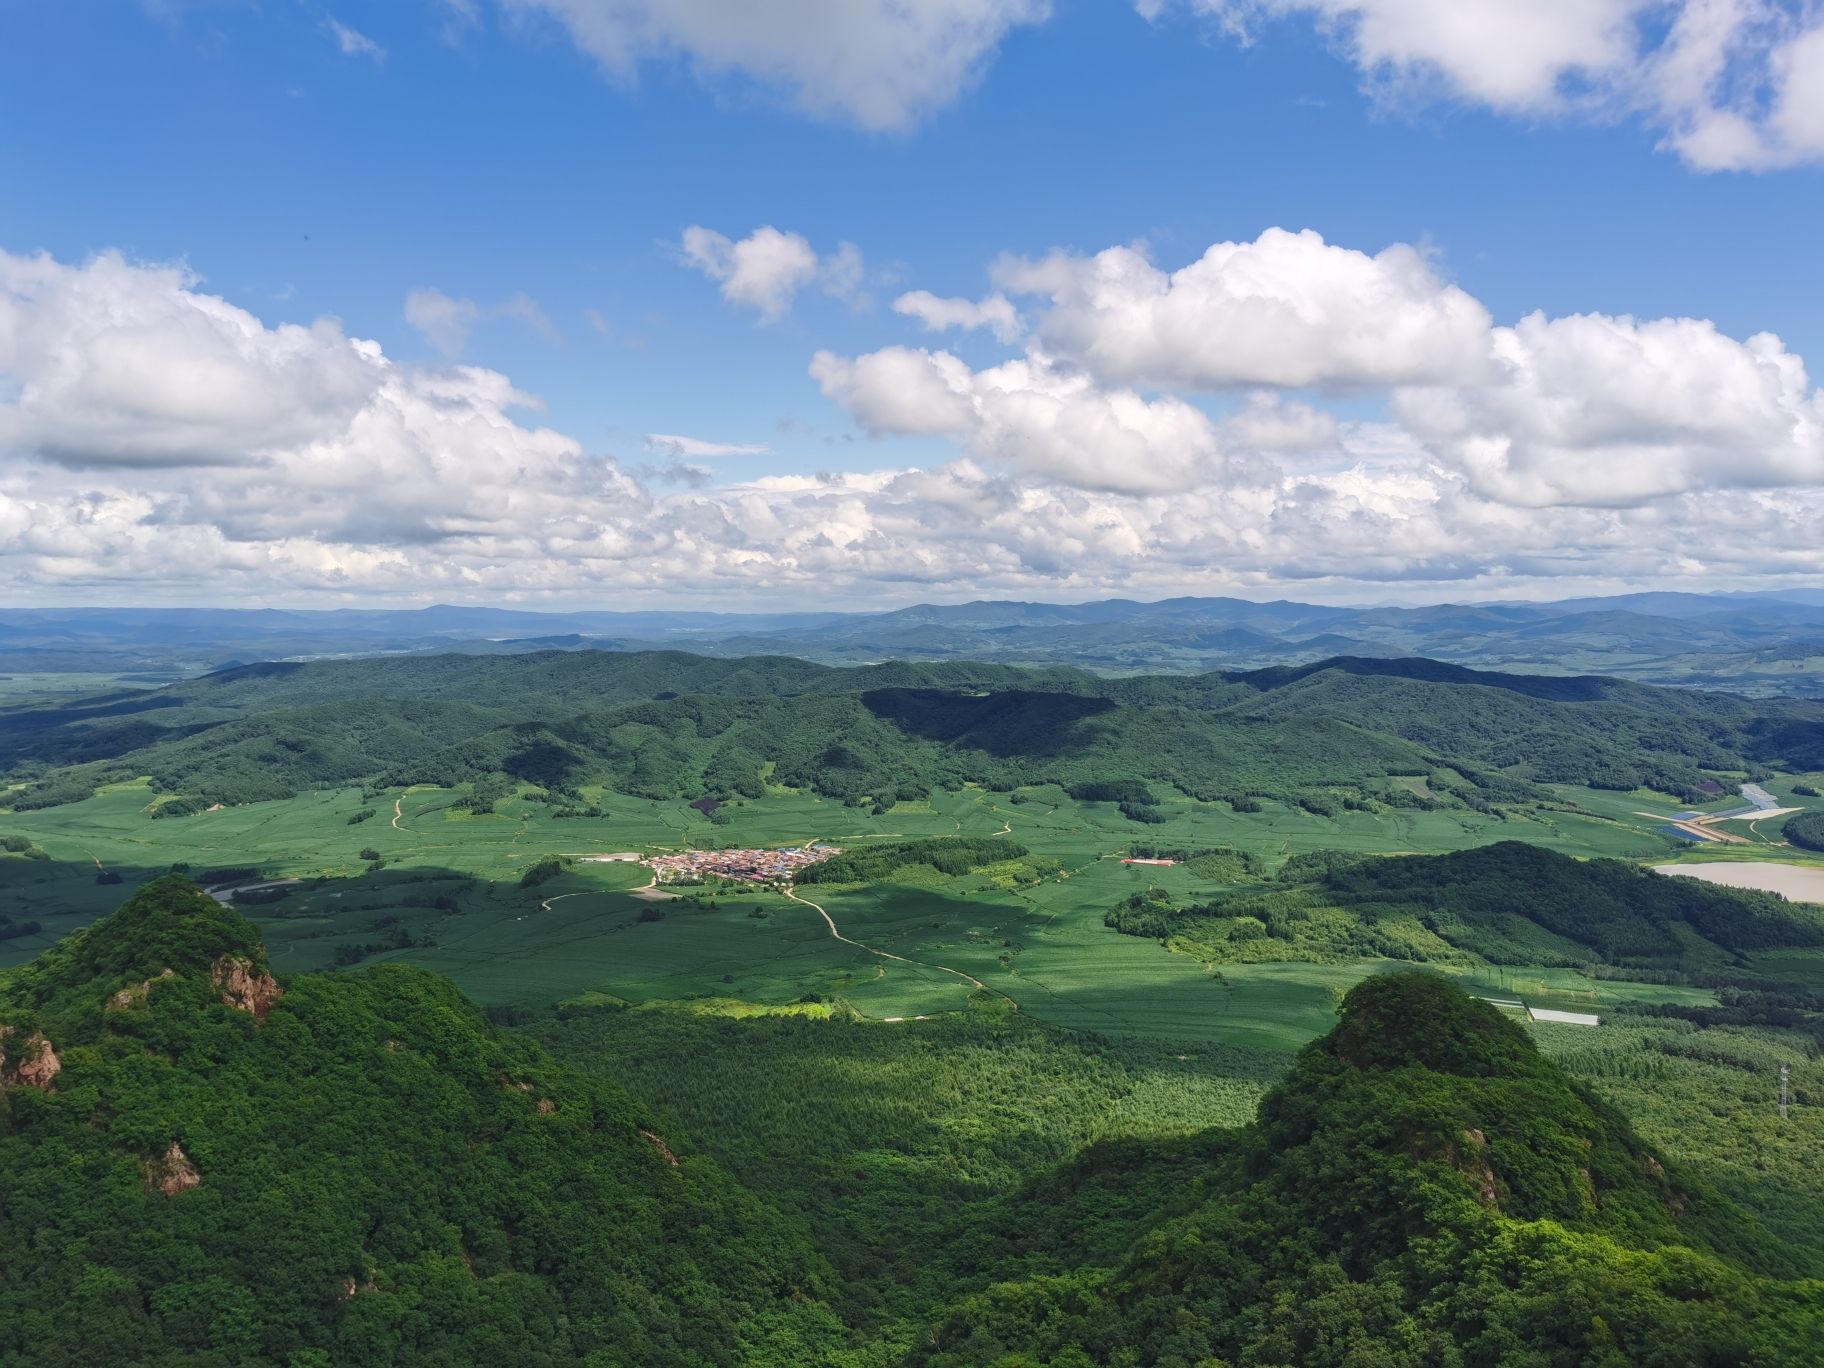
(830, 922)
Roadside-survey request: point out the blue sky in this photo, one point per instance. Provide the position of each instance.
(323, 162)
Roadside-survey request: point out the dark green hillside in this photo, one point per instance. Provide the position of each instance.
(1509, 903)
(871, 863)
(1602, 732)
(883, 746)
(669, 725)
(207, 1166)
(1805, 830)
(844, 734)
(200, 1163)
(1423, 1188)
(1620, 911)
(539, 687)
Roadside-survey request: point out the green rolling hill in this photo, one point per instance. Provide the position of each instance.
(667, 724)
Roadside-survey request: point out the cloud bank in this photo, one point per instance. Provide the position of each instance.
(1728, 85)
(1153, 432)
(1586, 410)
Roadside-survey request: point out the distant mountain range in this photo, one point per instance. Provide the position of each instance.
(1749, 643)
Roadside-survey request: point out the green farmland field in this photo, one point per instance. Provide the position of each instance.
(445, 893)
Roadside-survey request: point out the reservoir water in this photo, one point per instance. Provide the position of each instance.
(1801, 883)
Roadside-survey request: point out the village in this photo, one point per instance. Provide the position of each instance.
(754, 865)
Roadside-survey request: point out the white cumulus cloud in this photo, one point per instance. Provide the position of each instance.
(1599, 410)
(113, 363)
(1588, 452)
(1030, 416)
(765, 270)
(1729, 84)
(995, 313)
(1287, 309)
(1585, 410)
(882, 64)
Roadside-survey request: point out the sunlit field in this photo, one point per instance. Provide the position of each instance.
(445, 892)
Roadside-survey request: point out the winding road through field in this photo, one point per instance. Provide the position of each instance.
(545, 904)
(830, 922)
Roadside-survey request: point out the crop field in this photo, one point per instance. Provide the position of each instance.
(445, 893)
(37, 688)
(1631, 835)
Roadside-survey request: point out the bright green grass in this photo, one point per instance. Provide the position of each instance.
(1043, 947)
(1570, 990)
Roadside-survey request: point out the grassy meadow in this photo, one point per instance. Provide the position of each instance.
(445, 892)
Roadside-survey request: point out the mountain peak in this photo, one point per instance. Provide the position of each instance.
(168, 928)
(1422, 1020)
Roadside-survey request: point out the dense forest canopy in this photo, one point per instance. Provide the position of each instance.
(669, 725)
(201, 1163)
(347, 1169)
(1423, 1187)
(1507, 903)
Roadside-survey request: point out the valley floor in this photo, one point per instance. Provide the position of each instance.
(445, 893)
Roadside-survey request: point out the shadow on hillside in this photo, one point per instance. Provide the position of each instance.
(76, 735)
(1008, 723)
(1552, 688)
(314, 923)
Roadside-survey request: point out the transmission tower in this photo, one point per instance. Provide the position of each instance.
(1785, 1071)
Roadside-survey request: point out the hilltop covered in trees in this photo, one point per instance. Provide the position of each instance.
(1508, 903)
(204, 1164)
(223, 1169)
(1422, 1188)
(670, 725)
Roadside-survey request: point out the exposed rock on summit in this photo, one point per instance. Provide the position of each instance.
(243, 986)
(135, 994)
(30, 1064)
(172, 1172)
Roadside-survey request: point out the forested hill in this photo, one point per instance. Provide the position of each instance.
(1506, 903)
(1423, 1188)
(203, 1164)
(1586, 729)
(200, 1164)
(669, 724)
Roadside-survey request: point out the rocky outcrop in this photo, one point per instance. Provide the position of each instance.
(32, 1063)
(135, 994)
(663, 1148)
(172, 1172)
(244, 987)
(1478, 1169)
